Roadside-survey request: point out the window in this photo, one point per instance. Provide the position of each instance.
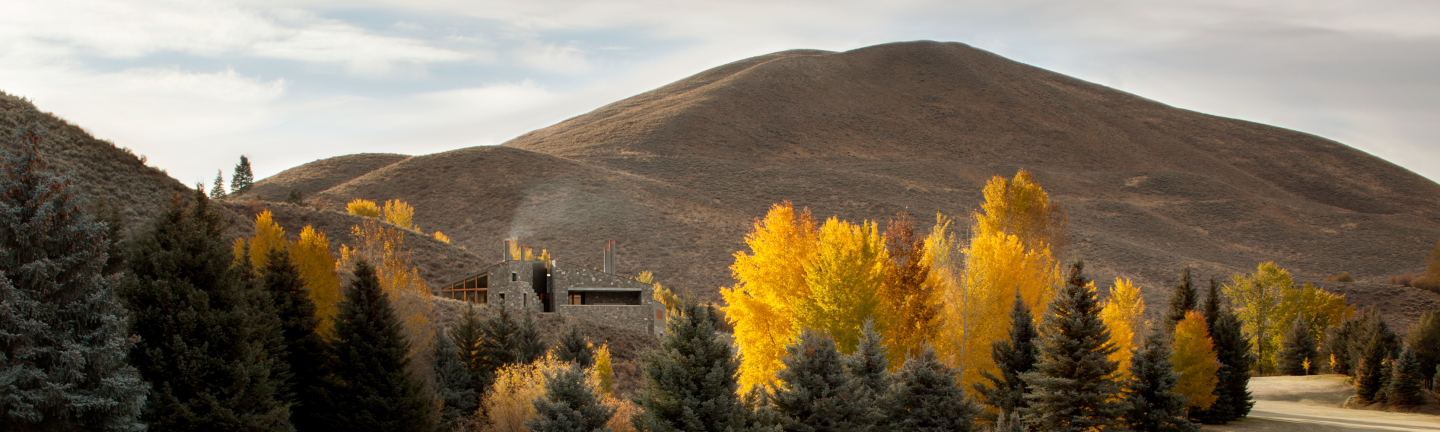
(514, 276)
(502, 298)
(577, 298)
(659, 314)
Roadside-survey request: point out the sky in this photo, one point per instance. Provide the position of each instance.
(194, 84)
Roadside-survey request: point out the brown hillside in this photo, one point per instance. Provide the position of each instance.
(315, 177)
(676, 174)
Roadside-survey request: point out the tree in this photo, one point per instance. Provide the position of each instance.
(1424, 339)
(909, 302)
(1124, 314)
(815, 393)
(1405, 383)
(1014, 357)
(1320, 309)
(1369, 381)
(1195, 361)
(575, 348)
(400, 214)
(1073, 384)
(569, 405)
(453, 386)
(363, 208)
(1183, 299)
(384, 247)
(312, 256)
(869, 366)
(605, 373)
(63, 335)
(203, 329)
(997, 267)
(296, 197)
(1212, 307)
(927, 397)
(529, 346)
(1020, 207)
(304, 352)
(691, 382)
(510, 400)
(467, 335)
(1258, 297)
(269, 237)
(372, 388)
(1232, 350)
(243, 178)
(844, 281)
(1152, 404)
(770, 281)
(217, 190)
(1297, 351)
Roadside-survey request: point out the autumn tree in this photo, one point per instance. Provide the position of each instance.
(1124, 315)
(312, 256)
(997, 267)
(1020, 207)
(1232, 350)
(604, 370)
(770, 282)
(400, 214)
(909, 302)
(1195, 361)
(1073, 384)
(1320, 310)
(510, 401)
(269, 236)
(1258, 297)
(244, 177)
(63, 330)
(1152, 404)
(1183, 299)
(844, 280)
(1014, 357)
(384, 246)
(363, 208)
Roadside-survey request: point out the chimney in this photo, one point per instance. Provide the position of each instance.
(505, 255)
(610, 257)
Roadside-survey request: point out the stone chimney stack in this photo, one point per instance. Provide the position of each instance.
(610, 257)
(505, 255)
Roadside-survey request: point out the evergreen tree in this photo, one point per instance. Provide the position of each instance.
(1372, 327)
(296, 197)
(528, 344)
(1232, 350)
(1014, 357)
(1424, 339)
(690, 383)
(870, 366)
(1073, 384)
(304, 351)
(107, 213)
(1370, 379)
(569, 405)
(815, 393)
(63, 335)
(371, 388)
(217, 190)
(1183, 298)
(243, 177)
(467, 336)
(1212, 306)
(1335, 350)
(1405, 381)
(575, 348)
(453, 384)
(204, 330)
(1152, 403)
(1298, 355)
(497, 346)
(927, 397)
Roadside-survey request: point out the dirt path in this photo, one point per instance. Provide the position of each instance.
(1312, 404)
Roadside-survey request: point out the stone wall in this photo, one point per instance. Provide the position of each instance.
(637, 317)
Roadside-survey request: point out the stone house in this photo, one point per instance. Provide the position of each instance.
(559, 287)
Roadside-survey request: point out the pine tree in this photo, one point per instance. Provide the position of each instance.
(1015, 357)
(1369, 381)
(453, 384)
(1232, 350)
(497, 346)
(1152, 403)
(1405, 381)
(1212, 306)
(304, 350)
(372, 389)
(1424, 339)
(575, 348)
(528, 343)
(63, 335)
(203, 329)
(1073, 386)
(569, 405)
(467, 336)
(1298, 353)
(1335, 350)
(1183, 298)
(217, 190)
(243, 177)
(815, 393)
(107, 213)
(927, 397)
(870, 366)
(690, 382)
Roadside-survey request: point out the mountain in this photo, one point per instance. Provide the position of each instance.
(676, 175)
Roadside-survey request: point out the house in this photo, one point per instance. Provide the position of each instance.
(552, 286)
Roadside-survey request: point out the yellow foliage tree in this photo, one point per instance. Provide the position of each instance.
(910, 304)
(770, 281)
(844, 281)
(383, 246)
(268, 236)
(312, 256)
(1321, 310)
(442, 237)
(1124, 315)
(362, 207)
(1257, 298)
(604, 371)
(400, 214)
(662, 294)
(1195, 361)
(510, 399)
(1020, 207)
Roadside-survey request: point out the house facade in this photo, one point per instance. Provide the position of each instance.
(558, 287)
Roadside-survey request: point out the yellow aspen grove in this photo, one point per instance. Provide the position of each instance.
(1257, 298)
(383, 246)
(1019, 207)
(1321, 310)
(365, 208)
(239, 248)
(400, 214)
(910, 306)
(312, 256)
(1124, 314)
(844, 280)
(268, 236)
(1195, 361)
(769, 282)
(997, 267)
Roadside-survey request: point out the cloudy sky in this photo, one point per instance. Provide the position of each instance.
(193, 84)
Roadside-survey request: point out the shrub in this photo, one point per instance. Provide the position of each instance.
(294, 197)
(509, 401)
(1342, 277)
(366, 208)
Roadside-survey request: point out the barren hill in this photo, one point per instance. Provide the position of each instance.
(677, 174)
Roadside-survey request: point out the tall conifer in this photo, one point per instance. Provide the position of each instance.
(63, 331)
(453, 384)
(1405, 380)
(1370, 380)
(467, 336)
(1424, 338)
(927, 397)
(1183, 298)
(304, 350)
(1073, 386)
(372, 389)
(815, 393)
(243, 178)
(1298, 352)
(217, 190)
(575, 348)
(1014, 357)
(569, 405)
(690, 382)
(1152, 403)
(870, 366)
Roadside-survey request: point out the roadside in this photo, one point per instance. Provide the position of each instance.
(1313, 404)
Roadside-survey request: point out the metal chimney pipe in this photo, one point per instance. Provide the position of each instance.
(610, 257)
(505, 255)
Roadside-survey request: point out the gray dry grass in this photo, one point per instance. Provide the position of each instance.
(1314, 403)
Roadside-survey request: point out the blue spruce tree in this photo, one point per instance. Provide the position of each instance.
(1073, 386)
(1152, 404)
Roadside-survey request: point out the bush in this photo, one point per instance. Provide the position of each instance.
(509, 401)
(1342, 277)
(1403, 280)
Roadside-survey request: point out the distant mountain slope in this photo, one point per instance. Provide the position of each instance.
(315, 177)
(677, 174)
